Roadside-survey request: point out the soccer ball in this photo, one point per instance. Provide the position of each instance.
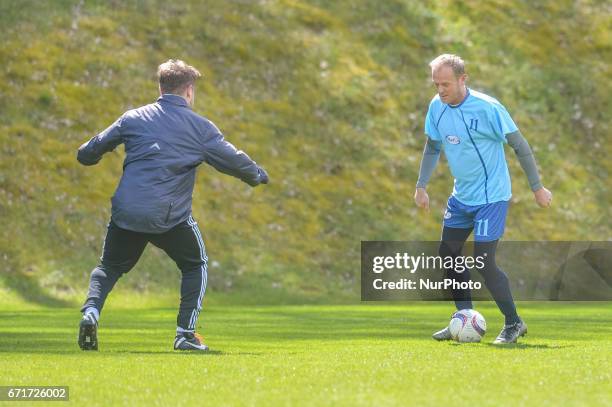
(467, 325)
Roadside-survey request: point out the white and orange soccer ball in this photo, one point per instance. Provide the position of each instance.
(467, 325)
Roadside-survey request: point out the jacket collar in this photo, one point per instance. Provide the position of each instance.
(174, 99)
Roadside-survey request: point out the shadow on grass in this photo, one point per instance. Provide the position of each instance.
(65, 344)
(25, 342)
(211, 352)
(28, 288)
(517, 346)
(527, 346)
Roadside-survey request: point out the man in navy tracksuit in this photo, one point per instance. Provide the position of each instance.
(164, 143)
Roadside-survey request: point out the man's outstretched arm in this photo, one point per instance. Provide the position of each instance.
(92, 151)
(226, 158)
(525, 156)
(431, 155)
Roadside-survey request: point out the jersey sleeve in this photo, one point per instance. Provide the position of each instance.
(431, 128)
(501, 121)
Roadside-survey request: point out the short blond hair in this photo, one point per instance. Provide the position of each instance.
(175, 76)
(454, 61)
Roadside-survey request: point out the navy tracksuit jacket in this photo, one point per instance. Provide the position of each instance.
(164, 143)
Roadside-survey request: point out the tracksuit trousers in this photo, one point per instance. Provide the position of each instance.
(122, 249)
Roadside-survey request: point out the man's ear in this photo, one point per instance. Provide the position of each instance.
(189, 94)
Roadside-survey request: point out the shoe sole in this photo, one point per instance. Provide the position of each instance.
(88, 337)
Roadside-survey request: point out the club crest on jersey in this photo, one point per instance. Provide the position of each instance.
(453, 139)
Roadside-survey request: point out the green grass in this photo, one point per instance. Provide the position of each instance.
(366, 354)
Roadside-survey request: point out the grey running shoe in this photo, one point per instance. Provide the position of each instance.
(88, 333)
(442, 335)
(189, 341)
(510, 333)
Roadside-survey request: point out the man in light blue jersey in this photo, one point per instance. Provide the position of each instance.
(472, 128)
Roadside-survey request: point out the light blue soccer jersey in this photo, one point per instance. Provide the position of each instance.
(473, 136)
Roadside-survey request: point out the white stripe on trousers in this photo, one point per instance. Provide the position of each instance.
(104, 242)
(196, 312)
(203, 269)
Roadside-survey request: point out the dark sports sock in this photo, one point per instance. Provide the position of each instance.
(496, 280)
(452, 243)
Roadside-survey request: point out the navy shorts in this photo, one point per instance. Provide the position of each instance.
(488, 220)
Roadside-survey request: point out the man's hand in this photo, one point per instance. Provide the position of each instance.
(421, 198)
(543, 197)
(263, 176)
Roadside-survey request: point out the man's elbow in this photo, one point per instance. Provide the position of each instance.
(86, 159)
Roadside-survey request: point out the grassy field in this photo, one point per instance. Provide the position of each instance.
(365, 354)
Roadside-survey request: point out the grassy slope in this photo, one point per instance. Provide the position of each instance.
(329, 96)
(315, 355)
